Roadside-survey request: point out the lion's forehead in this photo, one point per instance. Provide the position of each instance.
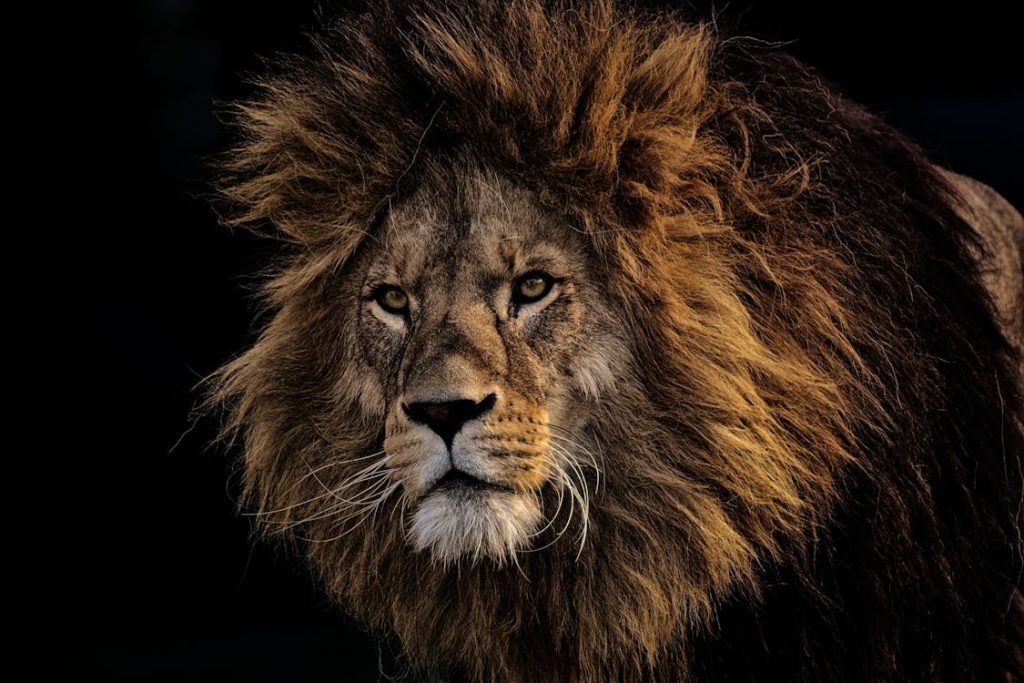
(473, 238)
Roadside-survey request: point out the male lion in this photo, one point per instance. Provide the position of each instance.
(605, 349)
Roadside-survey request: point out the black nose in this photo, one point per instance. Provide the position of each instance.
(447, 417)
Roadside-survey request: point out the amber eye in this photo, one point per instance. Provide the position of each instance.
(392, 299)
(532, 287)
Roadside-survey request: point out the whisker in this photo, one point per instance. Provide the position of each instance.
(365, 514)
(573, 440)
(313, 472)
(580, 494)
(361, 511)
(551, 519)
(364, 495)
(573, 496)
(372, 473)
(335, 509)
(564, 484)
(265, 513)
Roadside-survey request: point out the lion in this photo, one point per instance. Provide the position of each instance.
(599, 346)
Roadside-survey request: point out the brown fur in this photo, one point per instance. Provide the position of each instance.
(1001, 231)
(814, 428)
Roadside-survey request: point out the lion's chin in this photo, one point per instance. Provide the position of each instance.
(463, 523)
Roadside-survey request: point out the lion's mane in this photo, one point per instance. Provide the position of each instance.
(815, 473)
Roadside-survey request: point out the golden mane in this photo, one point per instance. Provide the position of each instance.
(810, 448)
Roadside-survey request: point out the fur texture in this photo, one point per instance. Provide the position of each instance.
(801, 422)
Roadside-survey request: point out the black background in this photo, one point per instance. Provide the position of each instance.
(134, 563)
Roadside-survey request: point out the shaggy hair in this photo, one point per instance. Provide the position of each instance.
(811, 469)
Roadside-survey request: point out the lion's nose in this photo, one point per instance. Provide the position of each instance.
(447, 417)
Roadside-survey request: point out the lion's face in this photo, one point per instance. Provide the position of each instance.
(482, 332)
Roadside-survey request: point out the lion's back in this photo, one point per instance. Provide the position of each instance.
(1001, 229)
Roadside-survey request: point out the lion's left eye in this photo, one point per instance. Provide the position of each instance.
(532, 287)
(392, 299)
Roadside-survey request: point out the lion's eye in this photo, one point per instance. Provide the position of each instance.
(532, 287)
(392, 299)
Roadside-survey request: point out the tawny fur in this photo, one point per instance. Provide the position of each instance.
(810, 461)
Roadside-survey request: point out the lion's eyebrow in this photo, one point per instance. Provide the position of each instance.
(510, 249)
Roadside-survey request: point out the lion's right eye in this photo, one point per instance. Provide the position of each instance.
(392, 299)
(532, 287)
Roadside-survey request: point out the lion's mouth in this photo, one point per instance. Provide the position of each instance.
(455, 479)
(463, 516)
